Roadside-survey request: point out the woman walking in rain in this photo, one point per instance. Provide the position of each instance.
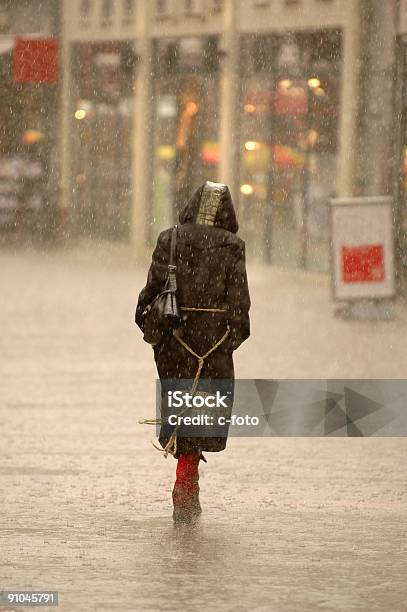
(213, 303)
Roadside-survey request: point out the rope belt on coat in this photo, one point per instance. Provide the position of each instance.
(203, 309)
(171, 446)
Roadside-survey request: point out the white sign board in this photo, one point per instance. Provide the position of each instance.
(362, 248)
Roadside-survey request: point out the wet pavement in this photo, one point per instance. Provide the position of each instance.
(85, 500)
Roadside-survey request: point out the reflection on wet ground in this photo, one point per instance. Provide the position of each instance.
(288, 524)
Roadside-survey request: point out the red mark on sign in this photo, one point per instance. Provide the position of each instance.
(36, 60)
(363, 263)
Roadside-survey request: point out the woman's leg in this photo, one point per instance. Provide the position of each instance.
(185, 494)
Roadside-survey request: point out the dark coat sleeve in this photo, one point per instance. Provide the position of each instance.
(238, 299)
(156, 278)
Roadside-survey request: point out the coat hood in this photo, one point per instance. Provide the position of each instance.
(211, 204)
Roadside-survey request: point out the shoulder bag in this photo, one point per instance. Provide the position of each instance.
(162, 314)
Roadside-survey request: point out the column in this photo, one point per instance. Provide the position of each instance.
(229, 98)
(349, 102)
(66, 119)
(142, 133)
(376, 152)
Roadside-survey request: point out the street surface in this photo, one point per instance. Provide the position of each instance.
(85, 501)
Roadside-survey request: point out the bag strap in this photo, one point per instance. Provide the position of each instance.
(173, 246)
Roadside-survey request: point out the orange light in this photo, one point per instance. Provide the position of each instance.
(319, 92)
(312, 137)
(32, 136)
(81, 178)
(191, 108)
(249, 108)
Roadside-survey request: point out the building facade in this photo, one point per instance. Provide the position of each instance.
(161, 95)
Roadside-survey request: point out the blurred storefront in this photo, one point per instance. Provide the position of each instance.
(29, 76)
(289, 115)
(261, 95)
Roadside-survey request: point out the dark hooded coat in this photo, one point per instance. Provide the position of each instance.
(211, 273)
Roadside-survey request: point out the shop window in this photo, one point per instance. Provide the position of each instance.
(193, 8)
(167, 61)
(261, 3)
(107, 12)
(289, 144)
(164, 8)
(217, 6)
(211, 55)
(4, 19)
(101, 137)
(28, 134)
(85, 11)
(129, 10)
(263, 52)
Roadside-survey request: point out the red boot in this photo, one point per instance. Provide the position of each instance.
(185, 494)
